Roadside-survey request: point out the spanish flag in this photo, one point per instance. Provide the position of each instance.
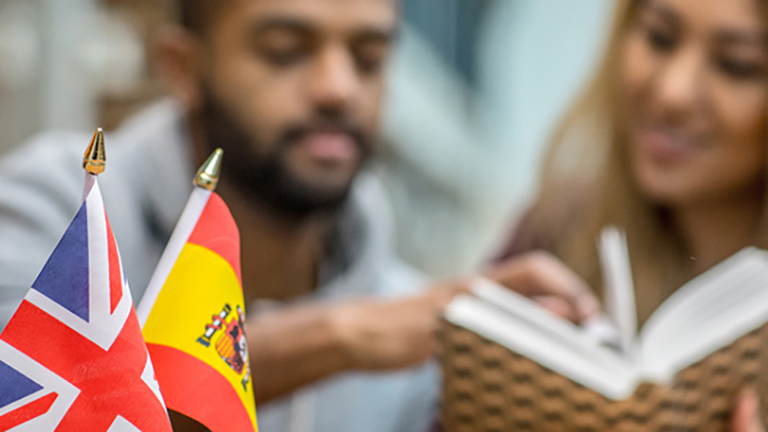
(193, 315)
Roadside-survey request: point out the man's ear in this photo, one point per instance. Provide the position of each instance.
(179, 54)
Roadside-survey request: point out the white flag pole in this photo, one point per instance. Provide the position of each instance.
(206, 180)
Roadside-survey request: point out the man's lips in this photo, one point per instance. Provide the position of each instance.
(330, 146)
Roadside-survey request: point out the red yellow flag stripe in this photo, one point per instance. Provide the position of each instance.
(194, 331)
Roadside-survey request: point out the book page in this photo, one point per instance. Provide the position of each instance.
(526, 328)
(710, 312)
(618, 287)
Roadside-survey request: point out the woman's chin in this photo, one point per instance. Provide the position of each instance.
(666, 190)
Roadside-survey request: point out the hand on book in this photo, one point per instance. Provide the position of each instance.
(390, 335)
(746, 415)
(543, 278)
(301, 344)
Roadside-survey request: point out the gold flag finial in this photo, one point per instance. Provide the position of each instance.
(208, 175)
(95, 159)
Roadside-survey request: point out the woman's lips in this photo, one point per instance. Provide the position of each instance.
(667, 146)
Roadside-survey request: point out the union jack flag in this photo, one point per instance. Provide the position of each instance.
(73, 357)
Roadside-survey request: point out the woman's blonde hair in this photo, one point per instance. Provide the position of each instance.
(586, 185)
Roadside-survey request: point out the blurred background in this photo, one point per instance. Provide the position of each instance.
(476, 86)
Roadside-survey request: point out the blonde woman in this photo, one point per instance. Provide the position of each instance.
(668, 142)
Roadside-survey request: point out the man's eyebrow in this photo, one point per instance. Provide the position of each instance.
(376, 34)
(298, 25)
(282, 23)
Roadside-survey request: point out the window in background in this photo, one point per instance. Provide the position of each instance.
(476, 88)
(74, 64)
(452, 28)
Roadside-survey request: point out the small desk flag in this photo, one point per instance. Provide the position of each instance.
(194, 315)
(72, 358)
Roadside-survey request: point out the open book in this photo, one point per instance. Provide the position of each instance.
(712, 326)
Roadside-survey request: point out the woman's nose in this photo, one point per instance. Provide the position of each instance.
(680, 83)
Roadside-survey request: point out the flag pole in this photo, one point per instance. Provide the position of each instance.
(94, 161)
(208, 175)
(206, 180)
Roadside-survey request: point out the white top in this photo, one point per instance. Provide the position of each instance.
(146, 185)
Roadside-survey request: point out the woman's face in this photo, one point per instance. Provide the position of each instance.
(695, 82)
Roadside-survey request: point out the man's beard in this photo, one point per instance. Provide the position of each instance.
(266, 178)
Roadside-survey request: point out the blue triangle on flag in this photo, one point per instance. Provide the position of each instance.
(65, 277)
(15, 385)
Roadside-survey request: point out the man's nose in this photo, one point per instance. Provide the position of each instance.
(334, 82)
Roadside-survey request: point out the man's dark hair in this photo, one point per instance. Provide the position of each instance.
(197, 15)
